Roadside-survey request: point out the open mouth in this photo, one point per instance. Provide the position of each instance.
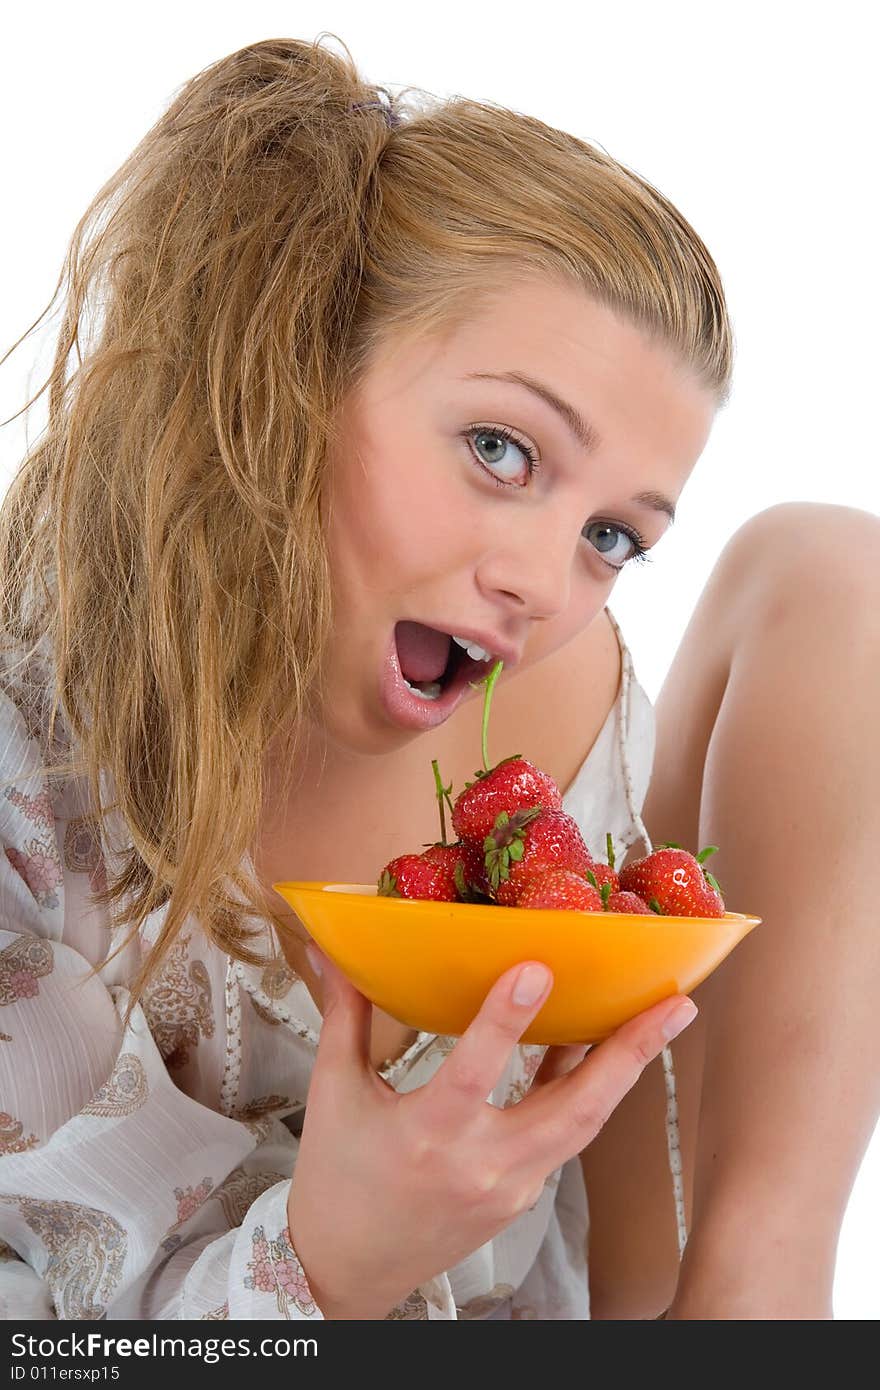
(419, 652)
(426, 675)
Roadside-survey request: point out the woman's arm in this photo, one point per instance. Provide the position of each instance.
(767, 747)
(791, 1090)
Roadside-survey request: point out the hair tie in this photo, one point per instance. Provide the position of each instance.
(391, 117)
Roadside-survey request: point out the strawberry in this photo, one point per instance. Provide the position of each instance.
(417, 876)
(560, 888)
(615, 901)
(626, 902)
(673, 882)
(525, 844)
(453, 858)
(600, 874)
(513, 784)
(464, 861)
(433, 874)
(470, 878)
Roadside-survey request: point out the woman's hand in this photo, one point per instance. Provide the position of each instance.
(392, 1189)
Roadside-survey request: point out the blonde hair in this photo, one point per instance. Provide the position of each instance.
(164, 538)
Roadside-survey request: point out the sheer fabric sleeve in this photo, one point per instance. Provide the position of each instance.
(120, 1195)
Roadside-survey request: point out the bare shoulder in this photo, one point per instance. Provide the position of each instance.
(554, 710)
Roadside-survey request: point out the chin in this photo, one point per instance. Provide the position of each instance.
(355, 737)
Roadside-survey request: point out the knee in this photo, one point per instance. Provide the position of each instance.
(808, 552)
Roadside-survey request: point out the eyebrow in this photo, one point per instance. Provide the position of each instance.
(583, 432)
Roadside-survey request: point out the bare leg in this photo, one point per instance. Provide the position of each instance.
(767, 747)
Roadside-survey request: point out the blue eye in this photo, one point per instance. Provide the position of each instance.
(637, 550)
(533, 463)
(507, 437)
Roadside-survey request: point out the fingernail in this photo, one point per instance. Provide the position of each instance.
(530, 984)
(315, 958)
(681, 1016)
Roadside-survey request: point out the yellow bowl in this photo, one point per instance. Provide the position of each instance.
(430, 965)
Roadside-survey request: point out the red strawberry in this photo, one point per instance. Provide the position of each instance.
(513, 784)
(461, 864)
(561, 888)
(603, 873)
(626, 902)
(447, 855)
(673, 882)
(527, 843)
(464, 860)
(472, 881)
(417, 876)
(600, 874)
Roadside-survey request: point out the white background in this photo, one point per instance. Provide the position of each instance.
(754, 119)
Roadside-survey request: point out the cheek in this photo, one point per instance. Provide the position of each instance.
(389, 517)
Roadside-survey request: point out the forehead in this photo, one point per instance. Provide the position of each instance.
(633, 388)
(560, 328)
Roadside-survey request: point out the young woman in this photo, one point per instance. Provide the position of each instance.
(360, 376)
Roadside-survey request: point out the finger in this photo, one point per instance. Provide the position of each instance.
(563, 1116)
(344, 1041)
(559, 1061)
(475, 1065)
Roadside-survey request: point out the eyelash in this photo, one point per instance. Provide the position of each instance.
(534, 463)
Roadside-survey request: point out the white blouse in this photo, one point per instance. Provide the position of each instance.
(144, 1173)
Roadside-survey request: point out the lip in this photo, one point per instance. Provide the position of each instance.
(410, 712)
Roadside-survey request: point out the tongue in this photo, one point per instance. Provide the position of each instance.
(422, 651)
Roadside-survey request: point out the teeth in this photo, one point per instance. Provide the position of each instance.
(475, 652)
(432, 690)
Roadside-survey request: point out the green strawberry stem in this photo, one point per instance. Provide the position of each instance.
(609, 848)
(442, 795)
(488, 682)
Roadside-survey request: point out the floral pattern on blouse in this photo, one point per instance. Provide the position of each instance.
(256, 1115)
(37, 862)
(189, 1199)
(414, 1308)
(240, 1190)
(124, 1091)
(519, 1089)
(178, 1005)
(275, 1268)
(82, 851)
(86, 1252)
(22, 965)
(486, 1303)
(12, 1137)
(277, 979)
(38, 809)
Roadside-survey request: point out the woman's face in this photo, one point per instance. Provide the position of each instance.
(434, 518)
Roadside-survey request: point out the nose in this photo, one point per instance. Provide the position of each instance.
(531, 567)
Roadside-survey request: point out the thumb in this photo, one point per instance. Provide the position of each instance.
(346, 1015)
